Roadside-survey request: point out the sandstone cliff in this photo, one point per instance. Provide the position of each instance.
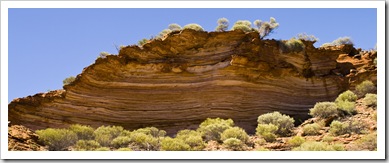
(178, 82)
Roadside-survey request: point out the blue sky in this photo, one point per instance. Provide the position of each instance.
(48, 45)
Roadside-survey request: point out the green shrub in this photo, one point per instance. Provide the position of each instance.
(267, 131)
(262, 149)
(142, 141)
(364, 88)
(105, 134)
(265, 28)
(142, 42)
(346, 107)
(163, 33)
(153, 131)
(222, 25)
(311, 129)
(235, 132)
(211, 129)
(339, 41)
(284, 123)
(306, 37)
(370, 100)
(234, 144)
(296, 141)
(83, 132)
(347, 96)
(86, 145)
(193, 26)
(192, 138)
(293, 45)
(170, 144)
(68, 80)
(121, 141)
(174, 27)
(57, 139)
(317, 146)
(324, 110)
(328, 139)
(337, 147)
(339, 128)
(343, 41)
(243, 25)
(102, 149)
(124, 149)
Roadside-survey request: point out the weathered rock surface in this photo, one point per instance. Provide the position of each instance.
(180, 81)
(21, 138)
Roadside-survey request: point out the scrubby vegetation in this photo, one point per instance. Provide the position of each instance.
(284, 123)
(68, 80)
(365, 87)
(339, 41)
(194, 26)
(324, 110)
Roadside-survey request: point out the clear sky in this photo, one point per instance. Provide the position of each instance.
(48, 45)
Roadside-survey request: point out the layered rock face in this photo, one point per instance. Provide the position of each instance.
(178, 82)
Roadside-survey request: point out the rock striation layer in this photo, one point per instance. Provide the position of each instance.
(178, 82)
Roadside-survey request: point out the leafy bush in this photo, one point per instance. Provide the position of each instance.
(327, 139)
(102, 149)
(347, 96)
(121, 141)
(346, 107)
(142, 42)
(284, 123)
(265, 28)
(57, 139)
(163, 33)
(234, 144)
(222, 25)
(86, 145)
(170, 144)
(192, 138)
(306, 37)
(124, 149)
(153, 131)
(311, 129)
(318, 146)
(339, 41)
(142, 141)
(364, 88)
(235, 132)
(243, 25)
(174, 27)
(267, 131)
(211, 129)
(68, 80)
(324, 110)
(105, 134)
(83, 132)
(193, 26)
(370, 100)
(296, 141)
(339, 128)
(293, 45)
(343, 41)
